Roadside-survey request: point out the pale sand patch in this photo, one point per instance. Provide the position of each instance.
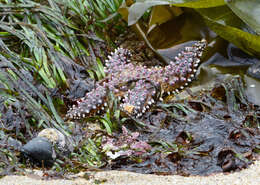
(250, 176)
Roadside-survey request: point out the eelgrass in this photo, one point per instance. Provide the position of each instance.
(35, 38)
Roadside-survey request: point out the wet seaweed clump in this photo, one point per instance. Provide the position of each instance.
(217, 131)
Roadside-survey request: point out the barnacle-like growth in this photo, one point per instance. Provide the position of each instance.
(137, 86)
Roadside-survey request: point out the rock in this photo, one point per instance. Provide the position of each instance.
(46, 147)
(39, 150)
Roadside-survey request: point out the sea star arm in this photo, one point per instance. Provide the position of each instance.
(92, 103)
(180, 72)
(117, 60)
(139, 99)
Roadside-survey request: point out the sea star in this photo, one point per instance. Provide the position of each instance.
(138, 87)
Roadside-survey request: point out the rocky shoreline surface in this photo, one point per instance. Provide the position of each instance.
(250, 176)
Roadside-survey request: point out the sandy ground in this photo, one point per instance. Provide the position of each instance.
(250, 176)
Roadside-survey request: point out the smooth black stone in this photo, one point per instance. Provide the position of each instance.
(39, 150)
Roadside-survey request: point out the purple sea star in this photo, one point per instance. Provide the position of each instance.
(137, 86)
